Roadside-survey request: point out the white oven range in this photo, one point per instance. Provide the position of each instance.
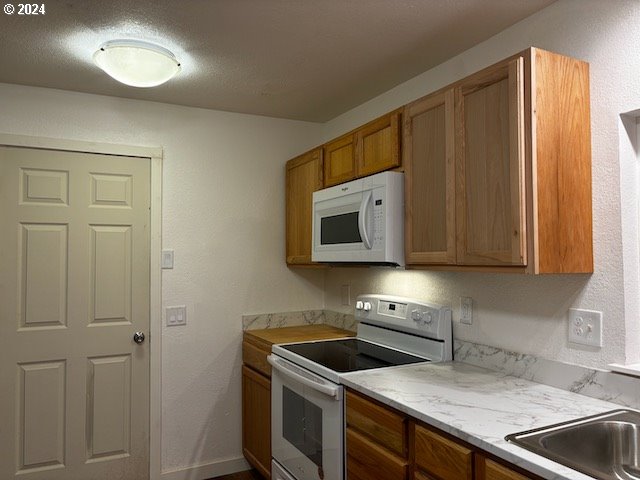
(307, 398)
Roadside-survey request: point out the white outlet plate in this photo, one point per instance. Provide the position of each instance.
(466, 310)
(585, 327)
(176, 315)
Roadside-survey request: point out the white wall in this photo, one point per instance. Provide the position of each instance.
(527, 314)
(223, 207)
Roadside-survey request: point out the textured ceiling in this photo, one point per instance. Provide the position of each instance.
(300, 59)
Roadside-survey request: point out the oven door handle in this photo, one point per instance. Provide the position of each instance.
(306, 378)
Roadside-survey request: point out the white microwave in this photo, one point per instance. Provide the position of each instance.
(360, 221)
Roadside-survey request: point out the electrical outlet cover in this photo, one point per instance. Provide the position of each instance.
(466, 310)
(585, 327)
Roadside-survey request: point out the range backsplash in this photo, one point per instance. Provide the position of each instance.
(602, 384)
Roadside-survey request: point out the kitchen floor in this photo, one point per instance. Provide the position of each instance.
(248, 475)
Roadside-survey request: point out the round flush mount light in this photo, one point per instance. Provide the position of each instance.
(136, 63)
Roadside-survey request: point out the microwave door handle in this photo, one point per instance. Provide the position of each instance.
(289, 370)
(362, 220)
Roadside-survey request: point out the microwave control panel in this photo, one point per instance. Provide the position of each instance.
(378, 215)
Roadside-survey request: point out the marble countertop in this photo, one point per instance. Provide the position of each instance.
(479, 406)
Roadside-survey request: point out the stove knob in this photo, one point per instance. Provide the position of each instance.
(416, 316)
(359, 305)
(366, 306)
(428, 319)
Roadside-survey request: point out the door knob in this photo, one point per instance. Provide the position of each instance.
(138, 337)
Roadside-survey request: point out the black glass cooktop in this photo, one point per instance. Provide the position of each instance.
(351, 354)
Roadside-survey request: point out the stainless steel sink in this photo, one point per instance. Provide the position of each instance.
(605, 446)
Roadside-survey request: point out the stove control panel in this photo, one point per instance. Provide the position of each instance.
(404, 314)
(393, 309)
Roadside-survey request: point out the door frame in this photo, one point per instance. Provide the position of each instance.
(154, 154)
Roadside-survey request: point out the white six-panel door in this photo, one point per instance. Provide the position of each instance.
(74, 288)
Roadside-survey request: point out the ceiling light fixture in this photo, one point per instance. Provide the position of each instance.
(136, 63)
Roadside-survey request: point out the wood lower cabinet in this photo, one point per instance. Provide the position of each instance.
(303, 177)
(487, 469)
(256, 419)
(376, 440)
(438, 457)
(385, 444)
(256, 385)
(368, 460)
(498, 169)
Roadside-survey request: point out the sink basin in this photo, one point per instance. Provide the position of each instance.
(605, 446)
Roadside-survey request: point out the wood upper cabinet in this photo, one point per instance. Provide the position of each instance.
(490, 163)
(340, 160)
(372, 148)
(428, 151)
(378, 145)
(507, 160)
(303, 177)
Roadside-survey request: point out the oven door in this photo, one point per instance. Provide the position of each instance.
(307, 422)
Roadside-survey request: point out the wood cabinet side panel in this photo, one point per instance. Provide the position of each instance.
(562, 159)
(384, 426)
(256, 420)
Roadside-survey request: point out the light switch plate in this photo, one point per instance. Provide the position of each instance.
(167, 259)
(585, 327)
(176, 315)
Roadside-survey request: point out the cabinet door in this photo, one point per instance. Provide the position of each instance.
(256, 420)
(490, 166)
(303, 177)
(379, 145)
(430, 180)
(340, 160)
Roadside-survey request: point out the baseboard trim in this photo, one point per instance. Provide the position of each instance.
(208, 470)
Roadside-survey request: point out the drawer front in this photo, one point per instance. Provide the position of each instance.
(417, 475)
(441, 457)
(384, 426)
(495, 471)
(367, 460)
(256, 358)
